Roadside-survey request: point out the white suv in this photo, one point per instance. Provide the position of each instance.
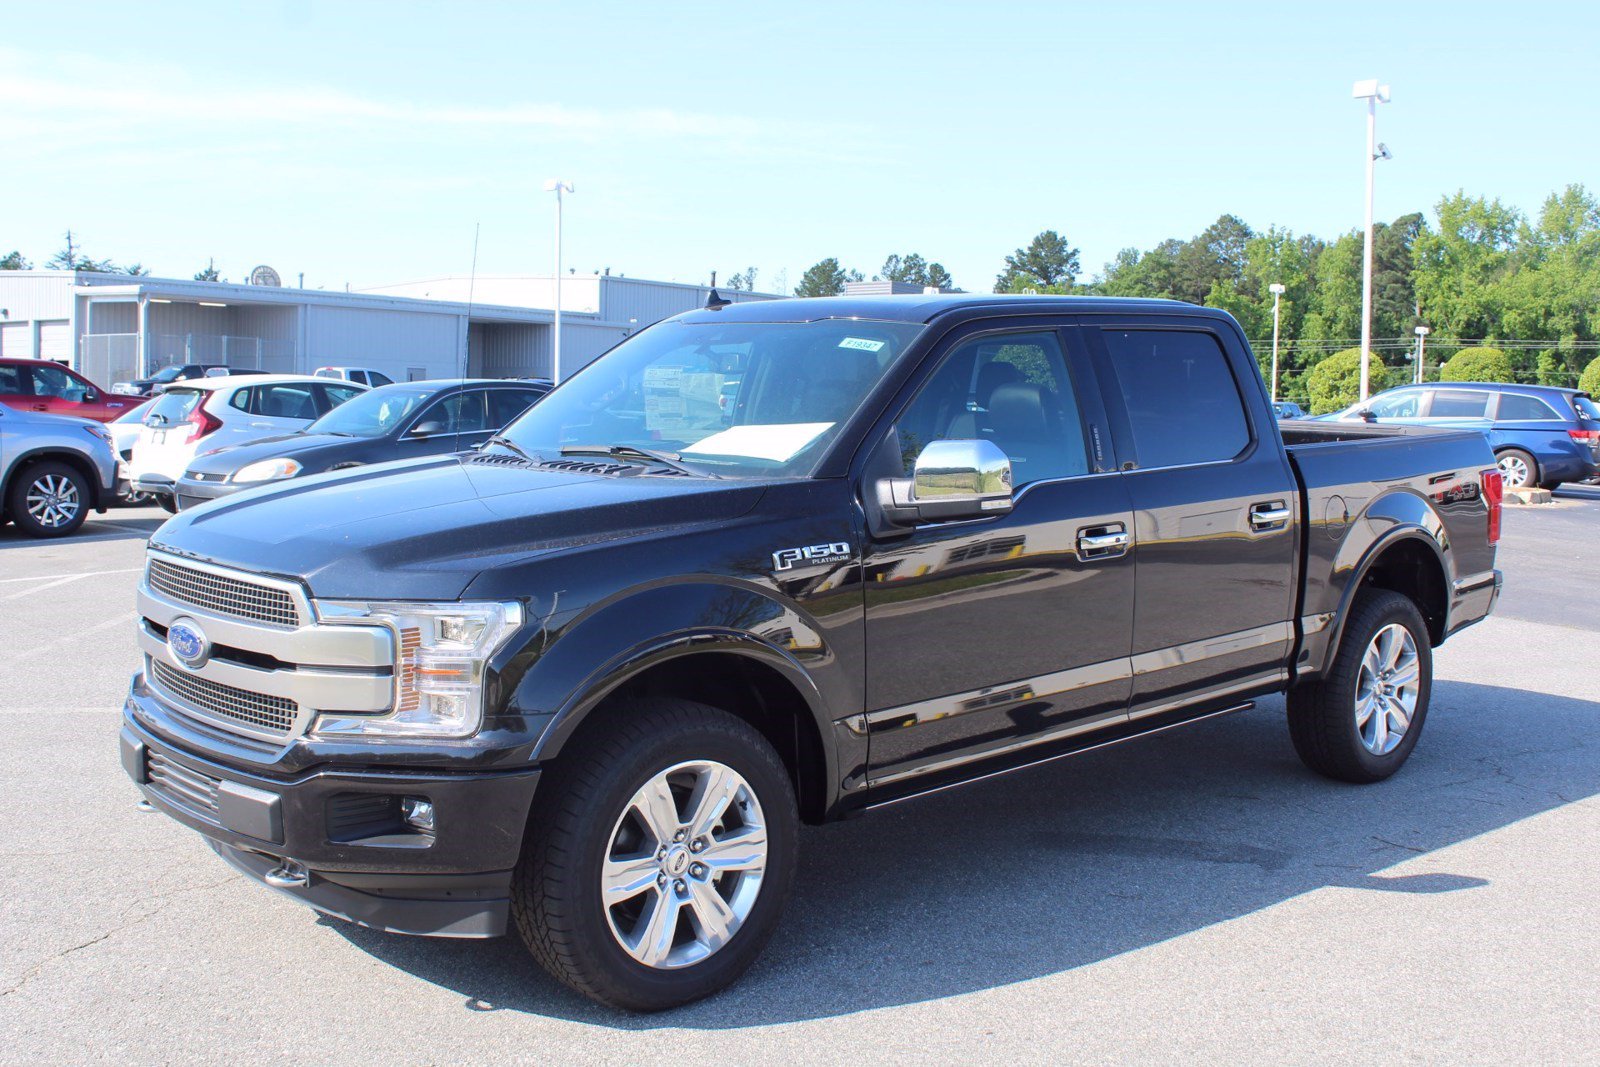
(208, 414)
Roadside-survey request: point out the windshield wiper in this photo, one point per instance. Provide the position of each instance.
(510, 446)
(670, 459)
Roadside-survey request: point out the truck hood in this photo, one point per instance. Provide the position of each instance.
(423, 529)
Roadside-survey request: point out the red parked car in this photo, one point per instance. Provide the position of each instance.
(42, 385)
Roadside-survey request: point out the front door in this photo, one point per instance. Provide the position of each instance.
(1214, 502)
(989, 636)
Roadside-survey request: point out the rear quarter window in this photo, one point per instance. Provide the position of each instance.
(1519, 407)
(1182, 400)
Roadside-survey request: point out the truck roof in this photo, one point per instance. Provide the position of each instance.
(919, 307)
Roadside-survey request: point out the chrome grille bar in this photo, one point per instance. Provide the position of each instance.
(221, 593)
(259, 711)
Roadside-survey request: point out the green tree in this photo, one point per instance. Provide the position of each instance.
(915, 270)
(1216, 254)
(14, 261)
(1048, 265)
(1479, 364)
(209, 274)
(1460, 268)
(826, 278)
(1589, 380)
(1335, 383)
(744, 280)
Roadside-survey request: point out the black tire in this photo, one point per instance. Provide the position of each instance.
(556, 901)
(1322, 714)
(169, 504)
(1513, 457)
(53, 473)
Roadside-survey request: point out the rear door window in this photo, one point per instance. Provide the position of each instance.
(507, 404)
(1520, 407)
(1459, 404)
(12, 380)
(282, 400)
(1183, 403)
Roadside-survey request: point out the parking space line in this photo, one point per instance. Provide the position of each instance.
(85, 574)
(76, 635)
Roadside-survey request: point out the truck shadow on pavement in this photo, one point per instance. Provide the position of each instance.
(1065, 865)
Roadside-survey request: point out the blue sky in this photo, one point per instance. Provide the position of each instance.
(361, 143)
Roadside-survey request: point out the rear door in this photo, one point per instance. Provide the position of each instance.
(1214, 503)
(16, 388)
(469, 415)
(988, 636)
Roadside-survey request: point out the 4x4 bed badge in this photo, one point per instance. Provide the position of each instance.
(835, 552)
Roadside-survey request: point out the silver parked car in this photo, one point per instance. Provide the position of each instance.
(53, 471)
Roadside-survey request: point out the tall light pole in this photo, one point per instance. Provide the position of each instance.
(1277, 291)
(557, 186)
(1374, 94)
(1422, 333)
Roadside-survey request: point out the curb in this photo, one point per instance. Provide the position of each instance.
(1528, 496)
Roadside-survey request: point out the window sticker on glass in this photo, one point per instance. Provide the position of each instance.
(778, 443)
(863, 343)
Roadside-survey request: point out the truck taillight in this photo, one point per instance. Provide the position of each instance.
(1494, 491)
(201, 422)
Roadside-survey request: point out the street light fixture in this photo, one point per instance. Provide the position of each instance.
(1374, 94)
(557, 186)
(1277, 290)
(1422, 332)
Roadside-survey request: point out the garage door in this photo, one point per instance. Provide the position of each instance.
(16, 339)
(55, 340)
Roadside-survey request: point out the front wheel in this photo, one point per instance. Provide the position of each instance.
(660, 857)
(49, 499)
(1360, 721)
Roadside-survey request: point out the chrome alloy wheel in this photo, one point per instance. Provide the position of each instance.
(684, 864)
(1515, 471)
(1387, 689)
(53, 501)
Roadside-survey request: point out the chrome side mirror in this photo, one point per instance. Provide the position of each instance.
(950, 480)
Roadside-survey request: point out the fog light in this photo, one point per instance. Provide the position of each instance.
(417, 812)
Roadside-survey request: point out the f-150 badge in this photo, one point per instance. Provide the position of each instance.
(836, 552)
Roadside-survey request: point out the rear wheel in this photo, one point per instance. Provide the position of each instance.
(49, 499)
(659, 860)
(1360, 721)
(1519, 468)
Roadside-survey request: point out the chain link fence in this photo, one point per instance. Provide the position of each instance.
(109, 358)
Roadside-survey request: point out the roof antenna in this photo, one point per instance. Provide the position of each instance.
(716, 301)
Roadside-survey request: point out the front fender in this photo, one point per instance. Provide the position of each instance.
(600, 649)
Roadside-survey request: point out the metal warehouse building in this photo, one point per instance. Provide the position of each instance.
(116, 327)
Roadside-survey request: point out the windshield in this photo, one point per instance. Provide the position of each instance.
(734, 399)
(173, 406)
(372, 414)
(166, 374)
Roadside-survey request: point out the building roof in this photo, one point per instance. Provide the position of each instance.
(918, 308)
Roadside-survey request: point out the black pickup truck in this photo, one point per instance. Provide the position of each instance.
(775, 563)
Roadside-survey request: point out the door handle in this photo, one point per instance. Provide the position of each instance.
(1265, 516)
(1102, 542)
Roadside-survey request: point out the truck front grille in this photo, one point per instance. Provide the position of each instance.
(259, 711)
(196, 793)
(222, 594)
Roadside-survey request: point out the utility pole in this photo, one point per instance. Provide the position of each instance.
(557, 186)
(1422, 337)
(1277, 291)
(1374, 94)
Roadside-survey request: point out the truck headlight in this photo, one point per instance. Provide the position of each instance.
(266, 470)
(441, 653)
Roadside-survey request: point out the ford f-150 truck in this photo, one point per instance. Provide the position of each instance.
(588, 679)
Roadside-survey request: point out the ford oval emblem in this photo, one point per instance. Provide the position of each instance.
(188, 644)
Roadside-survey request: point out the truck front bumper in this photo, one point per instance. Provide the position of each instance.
(337, 839)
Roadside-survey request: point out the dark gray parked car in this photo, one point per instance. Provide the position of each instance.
(402, 421)
(53, 470)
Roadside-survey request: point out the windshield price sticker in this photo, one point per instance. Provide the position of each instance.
(862, 343)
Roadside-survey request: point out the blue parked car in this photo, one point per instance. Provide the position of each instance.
(1542, 435)
(1288, 409)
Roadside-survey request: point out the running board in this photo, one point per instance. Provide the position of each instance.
(1236, 708)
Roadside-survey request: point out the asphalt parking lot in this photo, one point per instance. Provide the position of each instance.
(1192, 896)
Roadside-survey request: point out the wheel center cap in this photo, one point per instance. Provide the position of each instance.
(677, 861)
